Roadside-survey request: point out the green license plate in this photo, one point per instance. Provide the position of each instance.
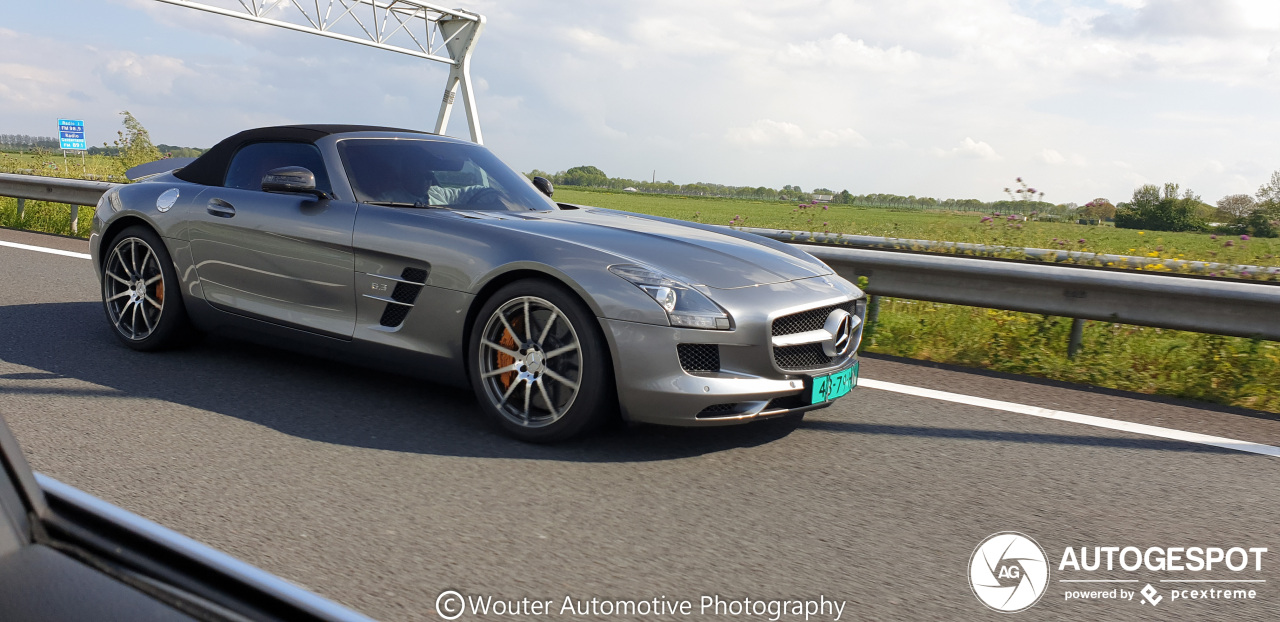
(832, 386)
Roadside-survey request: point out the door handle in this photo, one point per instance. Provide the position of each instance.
(221, 208)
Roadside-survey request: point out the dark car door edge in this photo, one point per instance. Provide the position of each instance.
(88, 525)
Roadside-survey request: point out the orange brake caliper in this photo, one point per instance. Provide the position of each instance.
(501, 360)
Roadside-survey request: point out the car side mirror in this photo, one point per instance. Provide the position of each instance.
(543, 184)
(293, 179)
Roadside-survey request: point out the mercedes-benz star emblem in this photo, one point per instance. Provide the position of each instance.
(840, 325)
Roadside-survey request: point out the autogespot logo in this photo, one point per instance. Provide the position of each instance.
(1009, 572)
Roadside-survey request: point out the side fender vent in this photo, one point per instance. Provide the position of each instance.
(403, 296)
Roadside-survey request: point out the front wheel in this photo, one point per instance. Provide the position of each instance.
(140, 292)
(539, 364)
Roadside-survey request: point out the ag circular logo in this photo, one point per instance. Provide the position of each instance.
(1009, 572)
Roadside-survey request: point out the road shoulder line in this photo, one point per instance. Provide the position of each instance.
(41, 249)
(1062, 415)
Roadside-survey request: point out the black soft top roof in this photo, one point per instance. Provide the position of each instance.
(211, 167)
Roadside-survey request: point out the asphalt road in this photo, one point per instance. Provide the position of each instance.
(380, 491)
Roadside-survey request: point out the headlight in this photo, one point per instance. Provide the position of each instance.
(684, 305)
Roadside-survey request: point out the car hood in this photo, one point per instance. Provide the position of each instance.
(716, 257)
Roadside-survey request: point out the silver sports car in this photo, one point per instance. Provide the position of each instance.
(428, 256)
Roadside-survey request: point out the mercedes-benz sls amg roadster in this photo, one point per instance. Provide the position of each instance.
(427, 256)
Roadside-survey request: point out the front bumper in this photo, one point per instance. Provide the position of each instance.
(653, 386)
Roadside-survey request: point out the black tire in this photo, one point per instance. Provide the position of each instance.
(546, 379)
(152, 315)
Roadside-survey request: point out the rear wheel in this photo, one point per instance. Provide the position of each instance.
(539, 365)
(140, 292)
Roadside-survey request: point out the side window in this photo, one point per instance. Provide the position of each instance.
(253, 161)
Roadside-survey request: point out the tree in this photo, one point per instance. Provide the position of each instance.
(584, 176)
(134, 143)
(1270, 191)
(1264, 219)
(1099, 209)
(1236, 206)
(1161, 210)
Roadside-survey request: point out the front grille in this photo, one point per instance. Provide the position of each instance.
(805, 321)
(699, 357)
(801, 357)
(718, 410)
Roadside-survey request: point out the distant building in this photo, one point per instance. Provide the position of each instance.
(822, 198)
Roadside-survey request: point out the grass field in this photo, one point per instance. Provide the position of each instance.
(1212, 368)
(944, 226)
(54, 165)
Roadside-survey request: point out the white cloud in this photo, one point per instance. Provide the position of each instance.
(770, 133)
(700, 90)
(140, 75)
(841, 51)
(969, 148)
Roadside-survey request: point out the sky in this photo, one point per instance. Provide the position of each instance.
(942, 98)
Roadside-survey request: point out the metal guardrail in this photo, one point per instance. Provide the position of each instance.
(73, 192)
(1163, 300)
(1237, 308)
(1047, 255)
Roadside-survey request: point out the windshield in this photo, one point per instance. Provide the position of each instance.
(428, 173)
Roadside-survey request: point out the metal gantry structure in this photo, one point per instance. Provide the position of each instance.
(407, 27)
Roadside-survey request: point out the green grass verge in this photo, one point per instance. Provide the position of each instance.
(944, 226)
(44, 216)
(1212, 368)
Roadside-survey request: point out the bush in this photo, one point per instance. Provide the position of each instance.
(1164, 210)
(1264, 221)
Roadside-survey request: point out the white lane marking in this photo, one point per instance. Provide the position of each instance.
(1061, 415)
(51, 251)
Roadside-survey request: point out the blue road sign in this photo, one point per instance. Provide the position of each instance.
(71, 135)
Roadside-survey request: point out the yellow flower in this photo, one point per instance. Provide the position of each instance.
(1142, 233)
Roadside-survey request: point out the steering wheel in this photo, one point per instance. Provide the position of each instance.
(486, 196)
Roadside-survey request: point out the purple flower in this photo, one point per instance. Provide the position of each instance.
(1213, 237)
(986, 219)
(1245, 237)
(1244, 273)
(1019, 180)
(1081, 240)
(1229, 243)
